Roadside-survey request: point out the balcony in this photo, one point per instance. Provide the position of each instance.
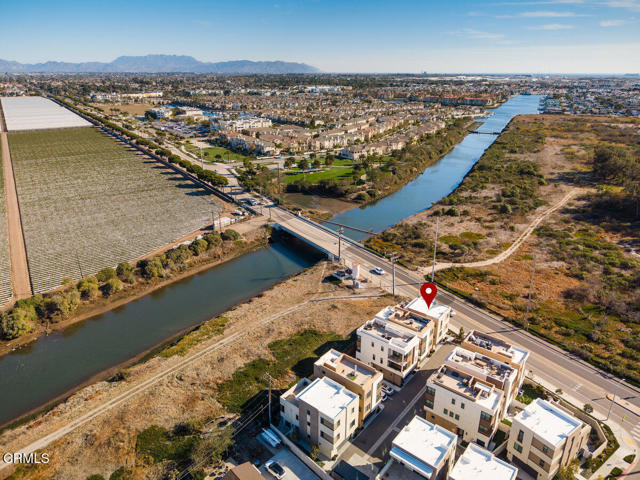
(326, 424)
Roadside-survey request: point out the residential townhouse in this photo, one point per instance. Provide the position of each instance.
(358, 377)
(544, 437)
(500, 350)
(476, 463)
(388, 347)
(324, 412)
(421, 450)
(400, 337)
(468, 395)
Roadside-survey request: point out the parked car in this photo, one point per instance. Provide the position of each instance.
(384, 397)
(389, 390)
(378, 271)
(275, 469)
(453, 313)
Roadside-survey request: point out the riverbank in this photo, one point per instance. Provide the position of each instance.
(254, 237)
(187, 378)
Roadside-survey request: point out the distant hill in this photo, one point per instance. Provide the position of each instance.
(158, 64)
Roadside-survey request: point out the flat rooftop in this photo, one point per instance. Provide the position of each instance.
(422, 444)
(480, 365)
(404, 318)
(464, 384)
(327, 396)
(388, 332)
(494, 344)
(478, 464)
(548, 421)
(436, 311)
(348, 367)
(38, 113)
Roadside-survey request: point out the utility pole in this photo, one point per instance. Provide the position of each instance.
(270, 379)
(613, 398)
(435, 249)
(393, 259)
(533, 272)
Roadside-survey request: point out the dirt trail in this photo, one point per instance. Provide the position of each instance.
(515, 245)
(17, 249)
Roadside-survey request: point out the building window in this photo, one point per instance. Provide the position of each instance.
(308, 424)
(429, 403)
(431, 390)
(296, 416)
(453, 401)
(457, 417)
(462, 405)
(483, 429)
(541, 463)
(451, 413)
(381, 348)
(545, 450)
(282, 408)
(485, 416)
(368, 395)
(337, 436)
(372, 345)
(353, 422)
(374, 358)
(520, 436)
(517, 447)
(446, 411)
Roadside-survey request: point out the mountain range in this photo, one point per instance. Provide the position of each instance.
(158, 64)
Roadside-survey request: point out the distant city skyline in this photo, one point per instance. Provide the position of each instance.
(543, 36)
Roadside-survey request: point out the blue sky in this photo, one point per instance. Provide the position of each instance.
(572, 36)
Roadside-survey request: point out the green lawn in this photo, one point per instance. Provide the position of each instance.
(211, 152)
(315, 177)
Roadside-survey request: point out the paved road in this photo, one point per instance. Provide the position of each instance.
(583, 382)
(17, 250)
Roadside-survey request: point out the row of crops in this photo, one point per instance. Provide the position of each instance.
(5, 265)
(89, 202)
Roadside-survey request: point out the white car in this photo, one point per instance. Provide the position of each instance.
(378, 271)
(388, 390)
(275, 469)
(453, 313)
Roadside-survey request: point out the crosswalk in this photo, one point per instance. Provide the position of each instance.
(635, 432)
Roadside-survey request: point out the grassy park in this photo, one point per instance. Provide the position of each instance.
(216, 153)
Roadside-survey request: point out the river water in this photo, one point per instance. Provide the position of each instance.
(437, 181)
(52, 365)
(49, 367)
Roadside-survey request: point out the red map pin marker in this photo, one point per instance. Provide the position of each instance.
(428, 291)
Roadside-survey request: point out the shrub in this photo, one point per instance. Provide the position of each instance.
(230, 234)
(95, 476)
(151, 268)
(124, 269)
(119, 474)
(14, 324)
(106, 274)
(180, 254)
(112, 286)
(88, 288)
(213, 240)
(198, 246)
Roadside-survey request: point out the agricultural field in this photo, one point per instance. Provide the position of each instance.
(5, 265)
(89, 202)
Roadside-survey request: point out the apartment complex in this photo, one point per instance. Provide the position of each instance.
(469, 395)
(421, 450)
(476, 463)
(500, 350)
(544, 438)
(358, 377)
(324, 412)
(400, 337)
